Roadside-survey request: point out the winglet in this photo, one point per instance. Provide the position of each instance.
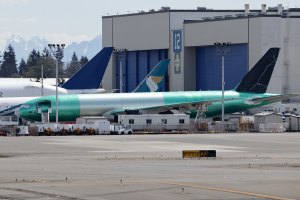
(91, 74)
(154, 80)
(258, 78)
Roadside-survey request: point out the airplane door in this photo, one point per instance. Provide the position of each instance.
(44, 108)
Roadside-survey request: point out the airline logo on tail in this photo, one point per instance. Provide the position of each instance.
(153, 81)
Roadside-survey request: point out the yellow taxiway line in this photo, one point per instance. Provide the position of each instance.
(226, 190)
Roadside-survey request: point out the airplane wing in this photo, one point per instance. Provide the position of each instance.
(173, 106)
(31, 86)
(271, 99)
(111, 91)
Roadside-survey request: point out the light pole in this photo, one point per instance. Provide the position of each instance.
(121, 55)
(42, 75)
(222, 50)
(54, 49)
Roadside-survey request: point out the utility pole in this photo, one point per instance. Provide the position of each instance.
(54, 49)
(42, 77)
(222, 50)
(121, 56)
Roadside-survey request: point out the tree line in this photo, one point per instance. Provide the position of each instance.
(32, 66)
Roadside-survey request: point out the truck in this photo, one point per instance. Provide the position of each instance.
(92, 125)
(84, 126)
(120, 129)
(22, 131)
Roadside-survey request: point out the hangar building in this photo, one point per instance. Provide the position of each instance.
(187, 38)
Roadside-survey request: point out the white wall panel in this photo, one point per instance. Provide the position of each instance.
(177, 18)
(107, 41)
(207, 33)
(141, 32)
(107, 32)
(293, 53)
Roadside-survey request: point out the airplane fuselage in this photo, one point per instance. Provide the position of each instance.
(72, 106)
(25, 88)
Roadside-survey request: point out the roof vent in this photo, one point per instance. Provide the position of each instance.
(279, 9)
(165, 8)
(247, 8)
(201, 8)
(263, 8)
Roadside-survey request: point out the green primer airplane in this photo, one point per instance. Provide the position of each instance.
(250, 93)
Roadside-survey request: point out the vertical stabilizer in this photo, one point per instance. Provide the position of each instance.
(154, 80)
(258, 78)
(91, 74)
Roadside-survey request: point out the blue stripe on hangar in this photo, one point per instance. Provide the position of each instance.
(136, 65)
(208, 67)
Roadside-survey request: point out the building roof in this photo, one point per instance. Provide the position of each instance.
(211, 19)
(202, 10)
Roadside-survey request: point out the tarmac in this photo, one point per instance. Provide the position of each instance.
(248, 166)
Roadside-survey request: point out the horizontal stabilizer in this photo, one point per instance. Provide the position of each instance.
(91, 74)
(258, 78)
(270, 99)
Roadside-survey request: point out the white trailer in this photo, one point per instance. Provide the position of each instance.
(98, 127)
(156, 122)
(90, 129)
(90, 119)
(91, 125)
(78, 129)
(22, 131)
(64, 129)
(85, 125)
(103, 127)
(47, 129)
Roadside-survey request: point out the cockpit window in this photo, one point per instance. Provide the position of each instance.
(25, 106)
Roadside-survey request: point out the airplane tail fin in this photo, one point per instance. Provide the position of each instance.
(154, 80)
(258, 78)
(91, 74)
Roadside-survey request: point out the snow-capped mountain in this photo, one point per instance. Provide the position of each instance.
(23, 47)
(86, 48)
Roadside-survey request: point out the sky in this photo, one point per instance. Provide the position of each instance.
(66, 21)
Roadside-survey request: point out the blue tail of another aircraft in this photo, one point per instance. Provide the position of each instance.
(154, 80)
(91, 74)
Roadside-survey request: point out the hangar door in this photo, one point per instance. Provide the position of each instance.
(136, 65)
(209, 67)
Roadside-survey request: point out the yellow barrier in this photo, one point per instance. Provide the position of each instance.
(198, 153)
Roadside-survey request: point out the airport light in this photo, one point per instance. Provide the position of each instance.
(54, 49)
(222, 50)
(121, 55)
(42, 76)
